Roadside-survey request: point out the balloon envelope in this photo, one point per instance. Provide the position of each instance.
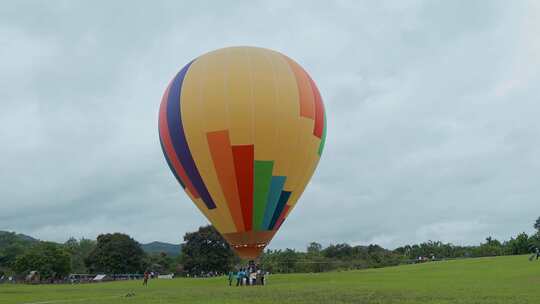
(242, 129)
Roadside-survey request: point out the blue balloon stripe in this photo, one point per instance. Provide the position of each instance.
(283, 198)
(276, 186)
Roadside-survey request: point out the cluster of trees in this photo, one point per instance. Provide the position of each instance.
(344, 256)
(111, 254)
(12, 246)
(521, 244)
(334, 257)
(20, 254)
(205, 251)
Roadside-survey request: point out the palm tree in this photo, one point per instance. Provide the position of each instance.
(537, 224)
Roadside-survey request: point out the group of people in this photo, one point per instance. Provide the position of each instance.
(249, 276)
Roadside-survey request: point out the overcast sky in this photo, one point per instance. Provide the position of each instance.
(433, 115)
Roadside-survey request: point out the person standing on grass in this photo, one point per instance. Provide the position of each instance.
(145, 278)
(245, 277)
(231, 276)
(239, 276)
(252, 277)
(536, 253)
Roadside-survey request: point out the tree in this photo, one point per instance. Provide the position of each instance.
(49, 259)
(519, 245)
(314, 248)
(338, 251)
(537, 224)
(288, 260)
(492, 242)
(12, 245)
(79, 251)
(9, 254)
(161, 263)
(490, 248)
(116, 253)
(534, 241)
(205, 250)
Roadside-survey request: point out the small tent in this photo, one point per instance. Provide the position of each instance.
(99, 278)
(32, 277)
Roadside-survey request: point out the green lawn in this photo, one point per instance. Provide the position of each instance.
(485, 280)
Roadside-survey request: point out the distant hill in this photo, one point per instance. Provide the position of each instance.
(7, 237)
(158, 247)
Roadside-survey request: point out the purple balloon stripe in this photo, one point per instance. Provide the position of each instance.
(178, 137)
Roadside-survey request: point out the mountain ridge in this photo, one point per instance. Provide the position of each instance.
(150, 248)
(158, 247)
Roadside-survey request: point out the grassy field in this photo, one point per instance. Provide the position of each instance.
(485, 280)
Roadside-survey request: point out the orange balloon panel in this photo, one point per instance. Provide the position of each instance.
(242, 130)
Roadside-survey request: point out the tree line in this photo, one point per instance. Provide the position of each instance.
(112, 253)
(346, 257)
(205, 252)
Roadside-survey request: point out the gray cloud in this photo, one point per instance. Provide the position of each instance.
(432, 111)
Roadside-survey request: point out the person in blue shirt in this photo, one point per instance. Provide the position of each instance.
(239, 277)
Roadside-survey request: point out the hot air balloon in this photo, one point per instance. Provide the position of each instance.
(242, 130)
